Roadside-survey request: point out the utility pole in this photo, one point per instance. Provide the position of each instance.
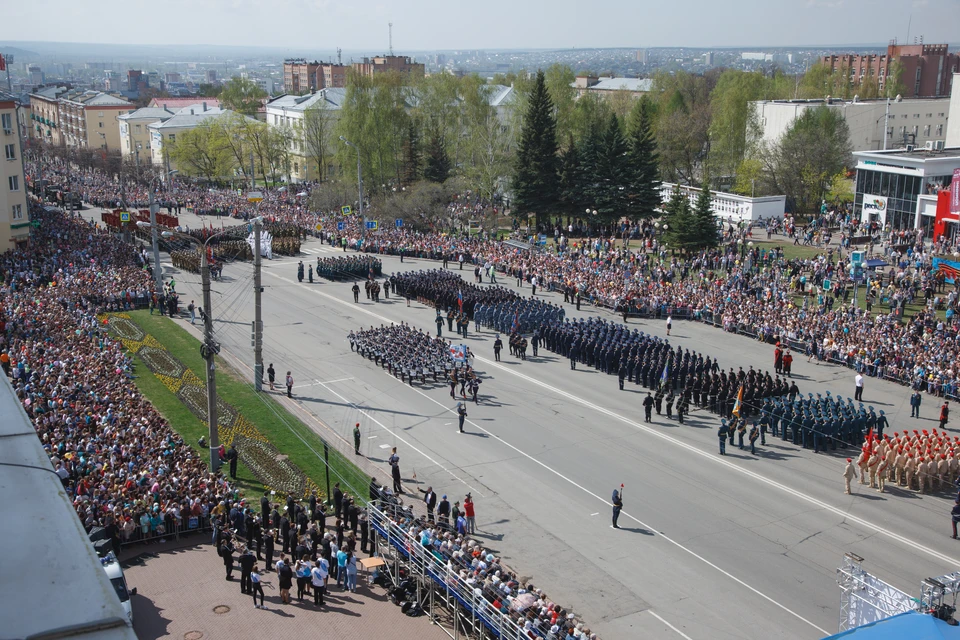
(209, 350)
(253, 172)
(886, 120)
(157, 275)
(257, 317)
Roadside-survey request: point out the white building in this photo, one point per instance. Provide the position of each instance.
(889, 185)
(14, 212)
(288, 111)
(731, 207)
(916, 120)
(185, 119)
(953, 119)
(135, 139)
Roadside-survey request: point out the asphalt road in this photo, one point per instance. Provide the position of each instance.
(712, 547)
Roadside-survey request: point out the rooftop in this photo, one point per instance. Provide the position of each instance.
(178, 103)
(623, 84)
(919, 153)
(330, 98)
(147, 112)
(49, 93)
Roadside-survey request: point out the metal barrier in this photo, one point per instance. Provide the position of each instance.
(186, 526)
(439, 585)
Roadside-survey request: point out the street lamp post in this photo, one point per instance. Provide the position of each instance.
(363, 230)
(157, 274)
(209, 349)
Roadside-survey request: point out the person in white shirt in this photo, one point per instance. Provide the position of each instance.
(858, 394)
(256, 587)
(318, 577)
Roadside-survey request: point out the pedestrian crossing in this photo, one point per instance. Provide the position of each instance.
(319, 249)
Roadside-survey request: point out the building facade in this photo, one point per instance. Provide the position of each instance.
(376, 65)
(14, 213)
(89, 119)
(889, 185)
(927, 69)
(45, 115)
(912, 121)
(164, 132)
(301, 77)
(953, 118)
(305, 147)
(135, 132)
(606, 86)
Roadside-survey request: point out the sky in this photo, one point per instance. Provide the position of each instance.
(483, 24)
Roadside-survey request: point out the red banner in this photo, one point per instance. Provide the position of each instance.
(3, 63)
(955, 192)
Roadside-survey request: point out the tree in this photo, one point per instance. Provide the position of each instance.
(682, 125)
(643, 159)
(703, 219)
(610, 175)
(894, 85)
(683, 231)
(242, 95)
(732, 121)
(535, 179)
(437, 167)
(802, 163)
(317, 129)
(571, 180)
(202, 151)
(412, 157)
(487, 140)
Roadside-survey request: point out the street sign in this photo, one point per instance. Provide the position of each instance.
(345, 210)
(372, 225)
(827, 285)
(254, 196)
(124, 216)
(398, 222)
(340, 226)
(319, 227)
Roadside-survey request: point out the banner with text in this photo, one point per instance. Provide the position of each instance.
(948, 268)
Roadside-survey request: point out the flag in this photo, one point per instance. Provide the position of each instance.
(665, 375)
(3, 63)
(516, 322)
(738, 402)
(870, 438)
(460, 300)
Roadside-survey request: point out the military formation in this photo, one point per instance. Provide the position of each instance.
(920, 461)
(821, 421)
(447, 290)
(518, 315)
(407, 353)
(349, 267)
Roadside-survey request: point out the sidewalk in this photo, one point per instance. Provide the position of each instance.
(181, 589)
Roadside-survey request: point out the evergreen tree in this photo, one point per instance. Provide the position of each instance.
(412, 157)
(437, 167)
(610, 174)
(682, 232)
(571, 180)
(535, 178)
(643, 159)
(703, 217)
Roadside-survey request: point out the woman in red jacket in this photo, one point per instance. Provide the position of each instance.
(468, 511)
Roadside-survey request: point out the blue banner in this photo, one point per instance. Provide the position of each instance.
(949, 268)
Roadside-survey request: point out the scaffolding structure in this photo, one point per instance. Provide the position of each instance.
(864, 598)
(458, 608)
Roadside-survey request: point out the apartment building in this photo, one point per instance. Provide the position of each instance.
(135, 132)
(371, 67)
(14, 213)
(927, 69)
(45, 115)
(301, 77)
(89, 119)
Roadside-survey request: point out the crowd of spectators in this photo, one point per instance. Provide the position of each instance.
(121, 464)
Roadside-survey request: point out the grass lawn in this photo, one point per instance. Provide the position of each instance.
(286, 432)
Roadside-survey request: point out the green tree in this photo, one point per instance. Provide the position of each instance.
(705, 222)
(242, 95)
(802, 163)
(571, 182)
(643, 160)
(894, 85)
(749, 178)
(732, 121)
(682, 125)
(535, 179)
(437, 168)
(610, 175)
(317, 131)
(487, 140)
(412, 155)
(203, 152)
(683, 231)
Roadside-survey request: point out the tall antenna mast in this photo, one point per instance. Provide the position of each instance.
(391, 38)
(339, 56)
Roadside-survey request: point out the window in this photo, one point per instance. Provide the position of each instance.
(939, 115)
(10, 151)
(904, 116)
(99, 114)
(926, 131)
(890, 132)
(939, 130)
(138, 128)
(916, 130)
(916, 115)
(17, 212)
(929, 115)
(172, 137)
(14, 182)
(101, 125)
(6, 121)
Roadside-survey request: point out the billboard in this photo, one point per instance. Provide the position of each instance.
(955, 192)
(874, 206)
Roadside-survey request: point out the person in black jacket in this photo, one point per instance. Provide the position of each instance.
(268, 549)
(337, 500)
(246, 566)
(429, 499)
(443, 512)
(265, 508)
(226, 552)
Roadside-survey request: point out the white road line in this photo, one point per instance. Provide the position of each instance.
(680, 633)
(316, 382)
(595, 514)
(371, 437)
(401, 439)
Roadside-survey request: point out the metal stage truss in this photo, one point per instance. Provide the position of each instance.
(865, 598)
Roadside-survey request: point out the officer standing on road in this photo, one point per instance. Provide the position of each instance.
(356, 293)
(849, 473)
(300, 271)
(617, 501)
(622, 373)
(461, 414)
(497, 347)
(439, 324)
(394, 461)
(722, 433)
(647, 407)
(356, 438)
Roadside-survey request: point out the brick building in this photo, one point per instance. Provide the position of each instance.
(300, 76)
(927, 69)
(382, 64)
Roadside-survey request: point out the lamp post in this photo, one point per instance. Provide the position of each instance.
(157, 273)
(210, 347)
(363, 230)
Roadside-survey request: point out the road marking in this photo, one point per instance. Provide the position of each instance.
(371, 437)
(595, 514)
(680, 633)
(316, 382)
(401, 439)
